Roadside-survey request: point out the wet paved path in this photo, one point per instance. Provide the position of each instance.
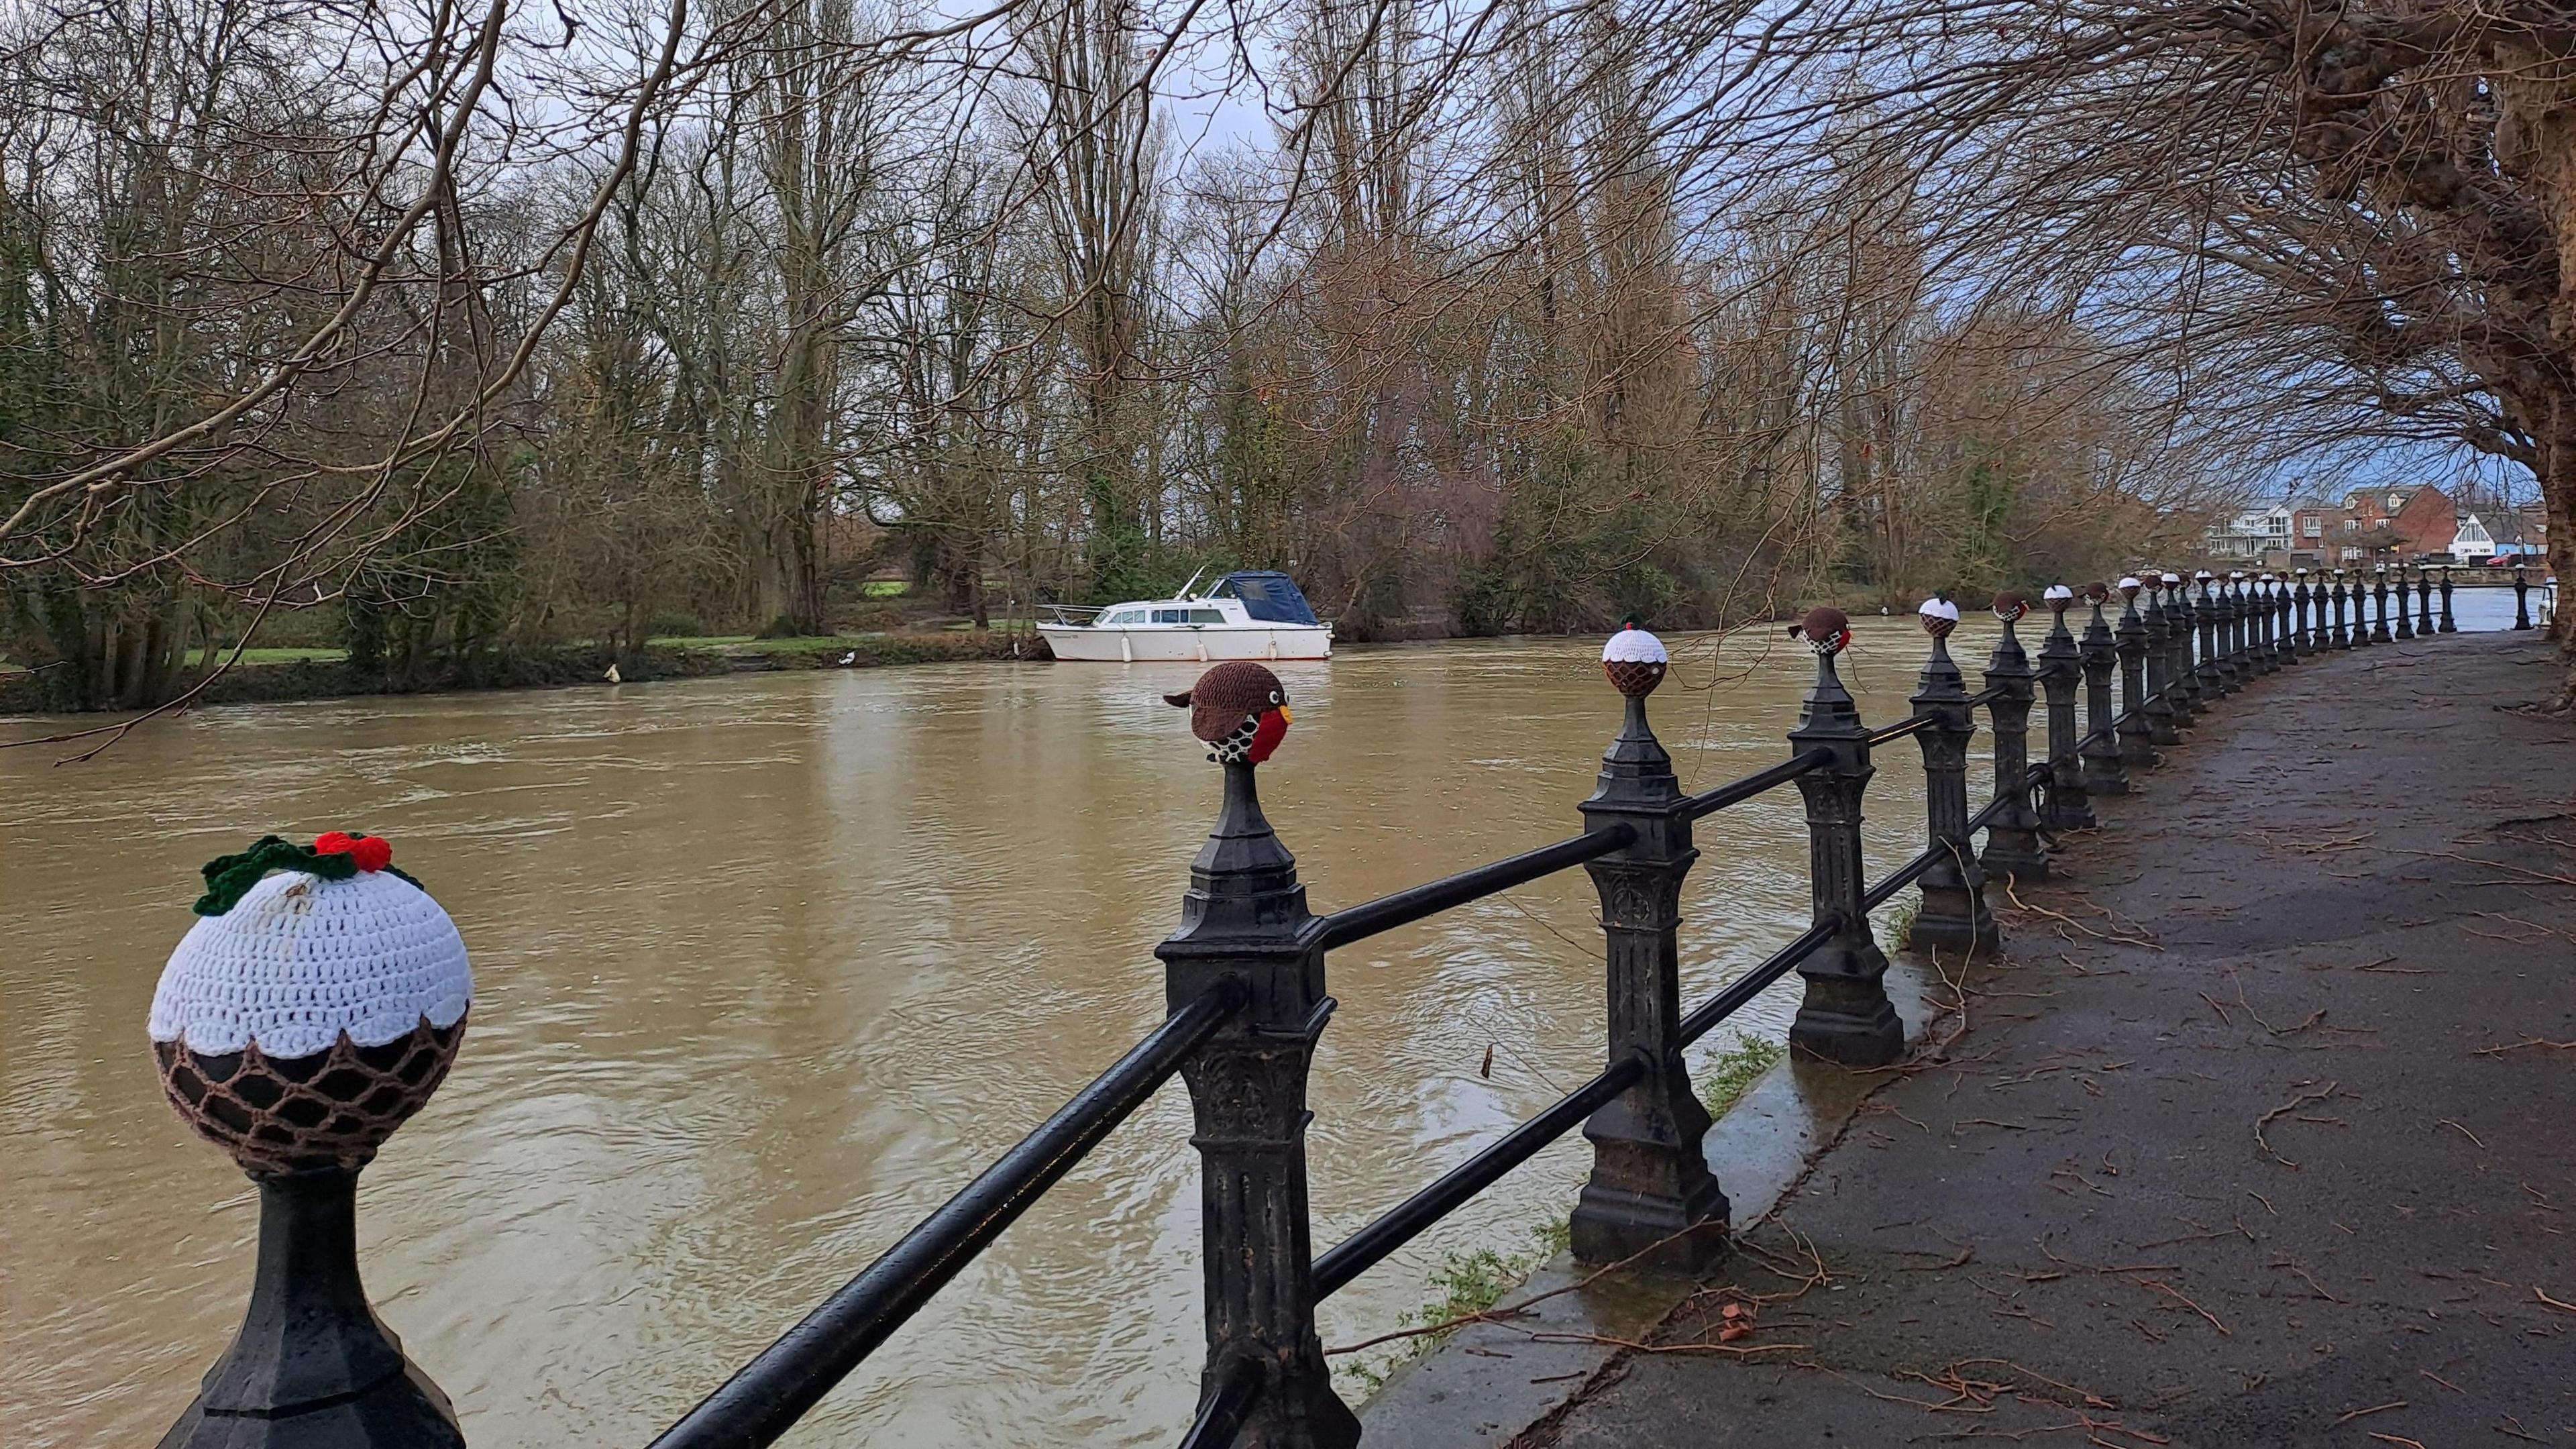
(2255, 1141)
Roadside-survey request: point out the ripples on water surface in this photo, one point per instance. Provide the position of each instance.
(767, 967)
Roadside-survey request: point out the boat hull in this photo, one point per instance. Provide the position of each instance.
(1203, 644)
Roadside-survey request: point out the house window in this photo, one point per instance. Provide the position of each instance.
(2351, 525)
(2395, 503)
(2311, 526)
(2350, 553)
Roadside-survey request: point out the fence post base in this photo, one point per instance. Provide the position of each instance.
(1650, 1199)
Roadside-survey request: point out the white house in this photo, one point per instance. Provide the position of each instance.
(2471, 543)
(2253, 533)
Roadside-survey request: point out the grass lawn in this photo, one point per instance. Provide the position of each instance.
(256, 655)
(817, 644)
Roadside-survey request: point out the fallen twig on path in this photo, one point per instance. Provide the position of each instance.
(2526, 1042)
(2292, 1105)
(2349, 1415)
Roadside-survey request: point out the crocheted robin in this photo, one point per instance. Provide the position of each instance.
(314, 1006)
(1240, 709)
(1826, 629)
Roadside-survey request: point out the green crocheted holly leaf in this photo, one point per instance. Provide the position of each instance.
(230, 877)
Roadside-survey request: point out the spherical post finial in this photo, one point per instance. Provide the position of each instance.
(313, 1008)
(1634, 660)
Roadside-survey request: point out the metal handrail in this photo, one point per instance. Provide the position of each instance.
(1709, 802)
(1732, 997)
(1404, 907)
(767, 1396)
(1903, 876)
(1222, 1417)
(1399, 1225)
(1911, 724)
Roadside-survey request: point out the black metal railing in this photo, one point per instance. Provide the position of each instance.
(1245, 979)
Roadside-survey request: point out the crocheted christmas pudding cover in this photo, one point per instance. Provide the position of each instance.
(304, 1017)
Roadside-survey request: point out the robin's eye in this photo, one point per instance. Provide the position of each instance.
(1274, 696)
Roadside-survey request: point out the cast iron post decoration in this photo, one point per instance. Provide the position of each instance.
(2449, 625)
(2341, 638)
(2060, 668)
(2423, 600)
(1650, 1185)
(2232, 614)
(2182, 683)
(2013, 848)
(1245, 917)
(1953, 913)
(2379, 599)
(2521, 598)
(2160, 706)
(2303, 634)
(2285, 638)
(2100, 751)
(2405, 606)
(2266, 626)
(304, 1018)
(1846, 1016)
(2212, 679)
(2136, 725)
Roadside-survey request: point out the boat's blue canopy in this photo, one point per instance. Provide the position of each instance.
(1272, 598)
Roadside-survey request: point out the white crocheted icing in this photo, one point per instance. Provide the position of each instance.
(1938, 608)
(2131, 582)
(2057, 591)
(1635, 646)
(300, 960)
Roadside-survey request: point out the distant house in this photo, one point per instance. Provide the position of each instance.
(2253, 535)
(2316, 529)
(2407, 520)
(2471, 543)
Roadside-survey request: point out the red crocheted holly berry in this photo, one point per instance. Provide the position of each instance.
(372, 852)
(334, 842)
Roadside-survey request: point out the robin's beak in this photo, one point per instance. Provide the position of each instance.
(1285, 717)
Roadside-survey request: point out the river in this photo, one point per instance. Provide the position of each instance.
(766, 967)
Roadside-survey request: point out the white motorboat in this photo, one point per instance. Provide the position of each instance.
(1252, 614)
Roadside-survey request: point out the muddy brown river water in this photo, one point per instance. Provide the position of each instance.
(767, 967)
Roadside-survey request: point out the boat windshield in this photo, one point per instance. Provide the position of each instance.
(1272, 598)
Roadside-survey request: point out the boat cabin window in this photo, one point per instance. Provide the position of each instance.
(1206, 616)
(1125, 616)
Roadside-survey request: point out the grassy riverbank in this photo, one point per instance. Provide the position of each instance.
(265, 675)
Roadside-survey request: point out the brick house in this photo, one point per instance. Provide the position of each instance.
(2406, 520)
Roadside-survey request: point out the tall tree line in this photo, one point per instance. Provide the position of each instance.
(461, 331)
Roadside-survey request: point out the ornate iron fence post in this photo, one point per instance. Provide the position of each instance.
(2341, 637)
(1846, 1016)
(1245, 918)
(2285, 636)
(2099, 657)
(2236, 615)
(260, 1053)
(2405, 606)
(2262, 628)
(2163, 709)
(2379, 598)
(1953, 914)
(2061, 668)
(2136, 725)
(2423, 600)
(2212, 670)
(1650, 1189)
(2182, 681)
(2303, 635)
(2013, 847)
(2521, 598)
(2449, 625)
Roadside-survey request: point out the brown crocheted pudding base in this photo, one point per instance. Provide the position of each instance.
(330, 1109)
